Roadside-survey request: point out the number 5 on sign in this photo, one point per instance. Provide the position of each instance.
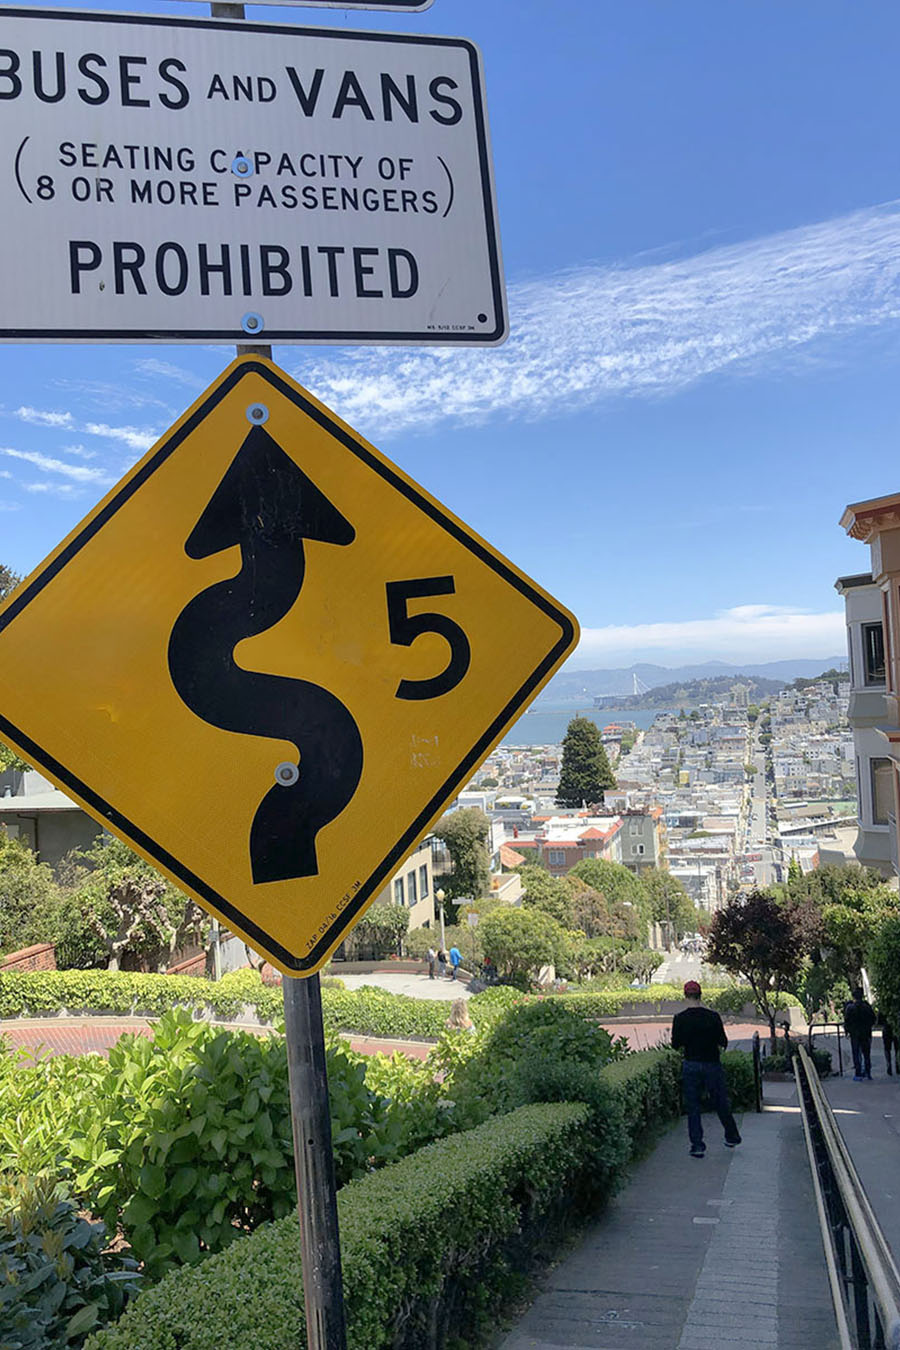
(405, 628)
(290, 660)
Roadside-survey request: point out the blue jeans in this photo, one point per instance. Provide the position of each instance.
(695, 1076)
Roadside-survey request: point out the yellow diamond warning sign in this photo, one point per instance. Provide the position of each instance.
(268, 660)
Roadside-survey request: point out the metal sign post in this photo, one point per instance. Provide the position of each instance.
(320, 1246)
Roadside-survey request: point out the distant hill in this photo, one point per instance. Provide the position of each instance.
(574, 686)
(714, 689)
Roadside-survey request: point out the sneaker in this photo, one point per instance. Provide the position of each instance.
(698, 1151)
(733, 1143)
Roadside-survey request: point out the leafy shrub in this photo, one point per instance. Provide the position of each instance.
(539, 1050)
(186, 1138)
(428, 1243)
(781, 1062)
(738, 1066)
(56, 1282)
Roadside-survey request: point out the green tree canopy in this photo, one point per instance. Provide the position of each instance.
(29, 897)
(853, 902)
(465, 833)
(884, 968)
(756, 937)
(598, 917)
(520, 941)
(585, 773)
(616, 884)
(135, 917)
(378, 934)
(669, 902)
(549, 894)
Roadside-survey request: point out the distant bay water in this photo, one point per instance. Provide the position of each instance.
(546, 724)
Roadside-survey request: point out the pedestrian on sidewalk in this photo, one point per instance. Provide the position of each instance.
(889, 1041)
(442, 962)
(455, 961)
(432, 957)
(699, 1033)
(859, 1019)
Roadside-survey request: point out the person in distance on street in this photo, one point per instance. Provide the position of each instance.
(699, 1033)
(859, 1019)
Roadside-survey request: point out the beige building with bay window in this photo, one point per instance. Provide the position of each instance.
(873, 631)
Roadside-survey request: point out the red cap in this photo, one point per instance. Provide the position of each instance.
(692, 989)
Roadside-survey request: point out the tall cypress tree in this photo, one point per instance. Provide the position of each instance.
(585, 772)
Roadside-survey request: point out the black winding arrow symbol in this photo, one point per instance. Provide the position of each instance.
(266, 505)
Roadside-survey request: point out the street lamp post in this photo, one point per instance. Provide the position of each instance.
(439, 896)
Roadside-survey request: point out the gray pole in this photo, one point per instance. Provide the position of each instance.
(320, 1247)
(320, 1244)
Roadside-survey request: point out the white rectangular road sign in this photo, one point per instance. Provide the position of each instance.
(194, 180)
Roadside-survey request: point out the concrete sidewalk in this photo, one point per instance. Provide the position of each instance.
(868, 1116)
(722, 1253)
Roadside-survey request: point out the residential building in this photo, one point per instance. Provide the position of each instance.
(868, 712)
(49, 822)
(412, 888)
(876, 522)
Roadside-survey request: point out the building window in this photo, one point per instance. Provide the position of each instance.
(873, 653)
(556, 857)
(637, 848)
(634, 827)
(411, 888)
(882, 790)
(398, 891)
(423, 882)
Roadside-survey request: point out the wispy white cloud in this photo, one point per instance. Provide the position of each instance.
(746, 632)
(10, 506)
(38, 417)
(56, 489)
(81, 451)
(164, 370)
(78, 473)
(136, 438)
(598, 332)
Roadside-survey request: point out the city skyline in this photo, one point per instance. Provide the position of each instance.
(704, 293)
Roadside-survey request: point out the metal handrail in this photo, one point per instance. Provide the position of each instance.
(858, 1257)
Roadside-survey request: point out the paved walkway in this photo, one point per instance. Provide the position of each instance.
(723, 1253)
(868, 1116)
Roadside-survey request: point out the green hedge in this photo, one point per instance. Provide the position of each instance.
(368, 1011)
(31, 993)
(428, 1243)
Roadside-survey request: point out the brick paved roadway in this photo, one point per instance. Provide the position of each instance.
(77, 1036)
(722, 1253)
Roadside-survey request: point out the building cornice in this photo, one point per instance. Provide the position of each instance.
(864, 520)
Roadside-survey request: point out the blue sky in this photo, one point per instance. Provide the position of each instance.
(701, 233)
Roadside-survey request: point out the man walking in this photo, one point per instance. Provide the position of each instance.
(455, 961)
(859, 1019)
(432, 957)
(699, 1033)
